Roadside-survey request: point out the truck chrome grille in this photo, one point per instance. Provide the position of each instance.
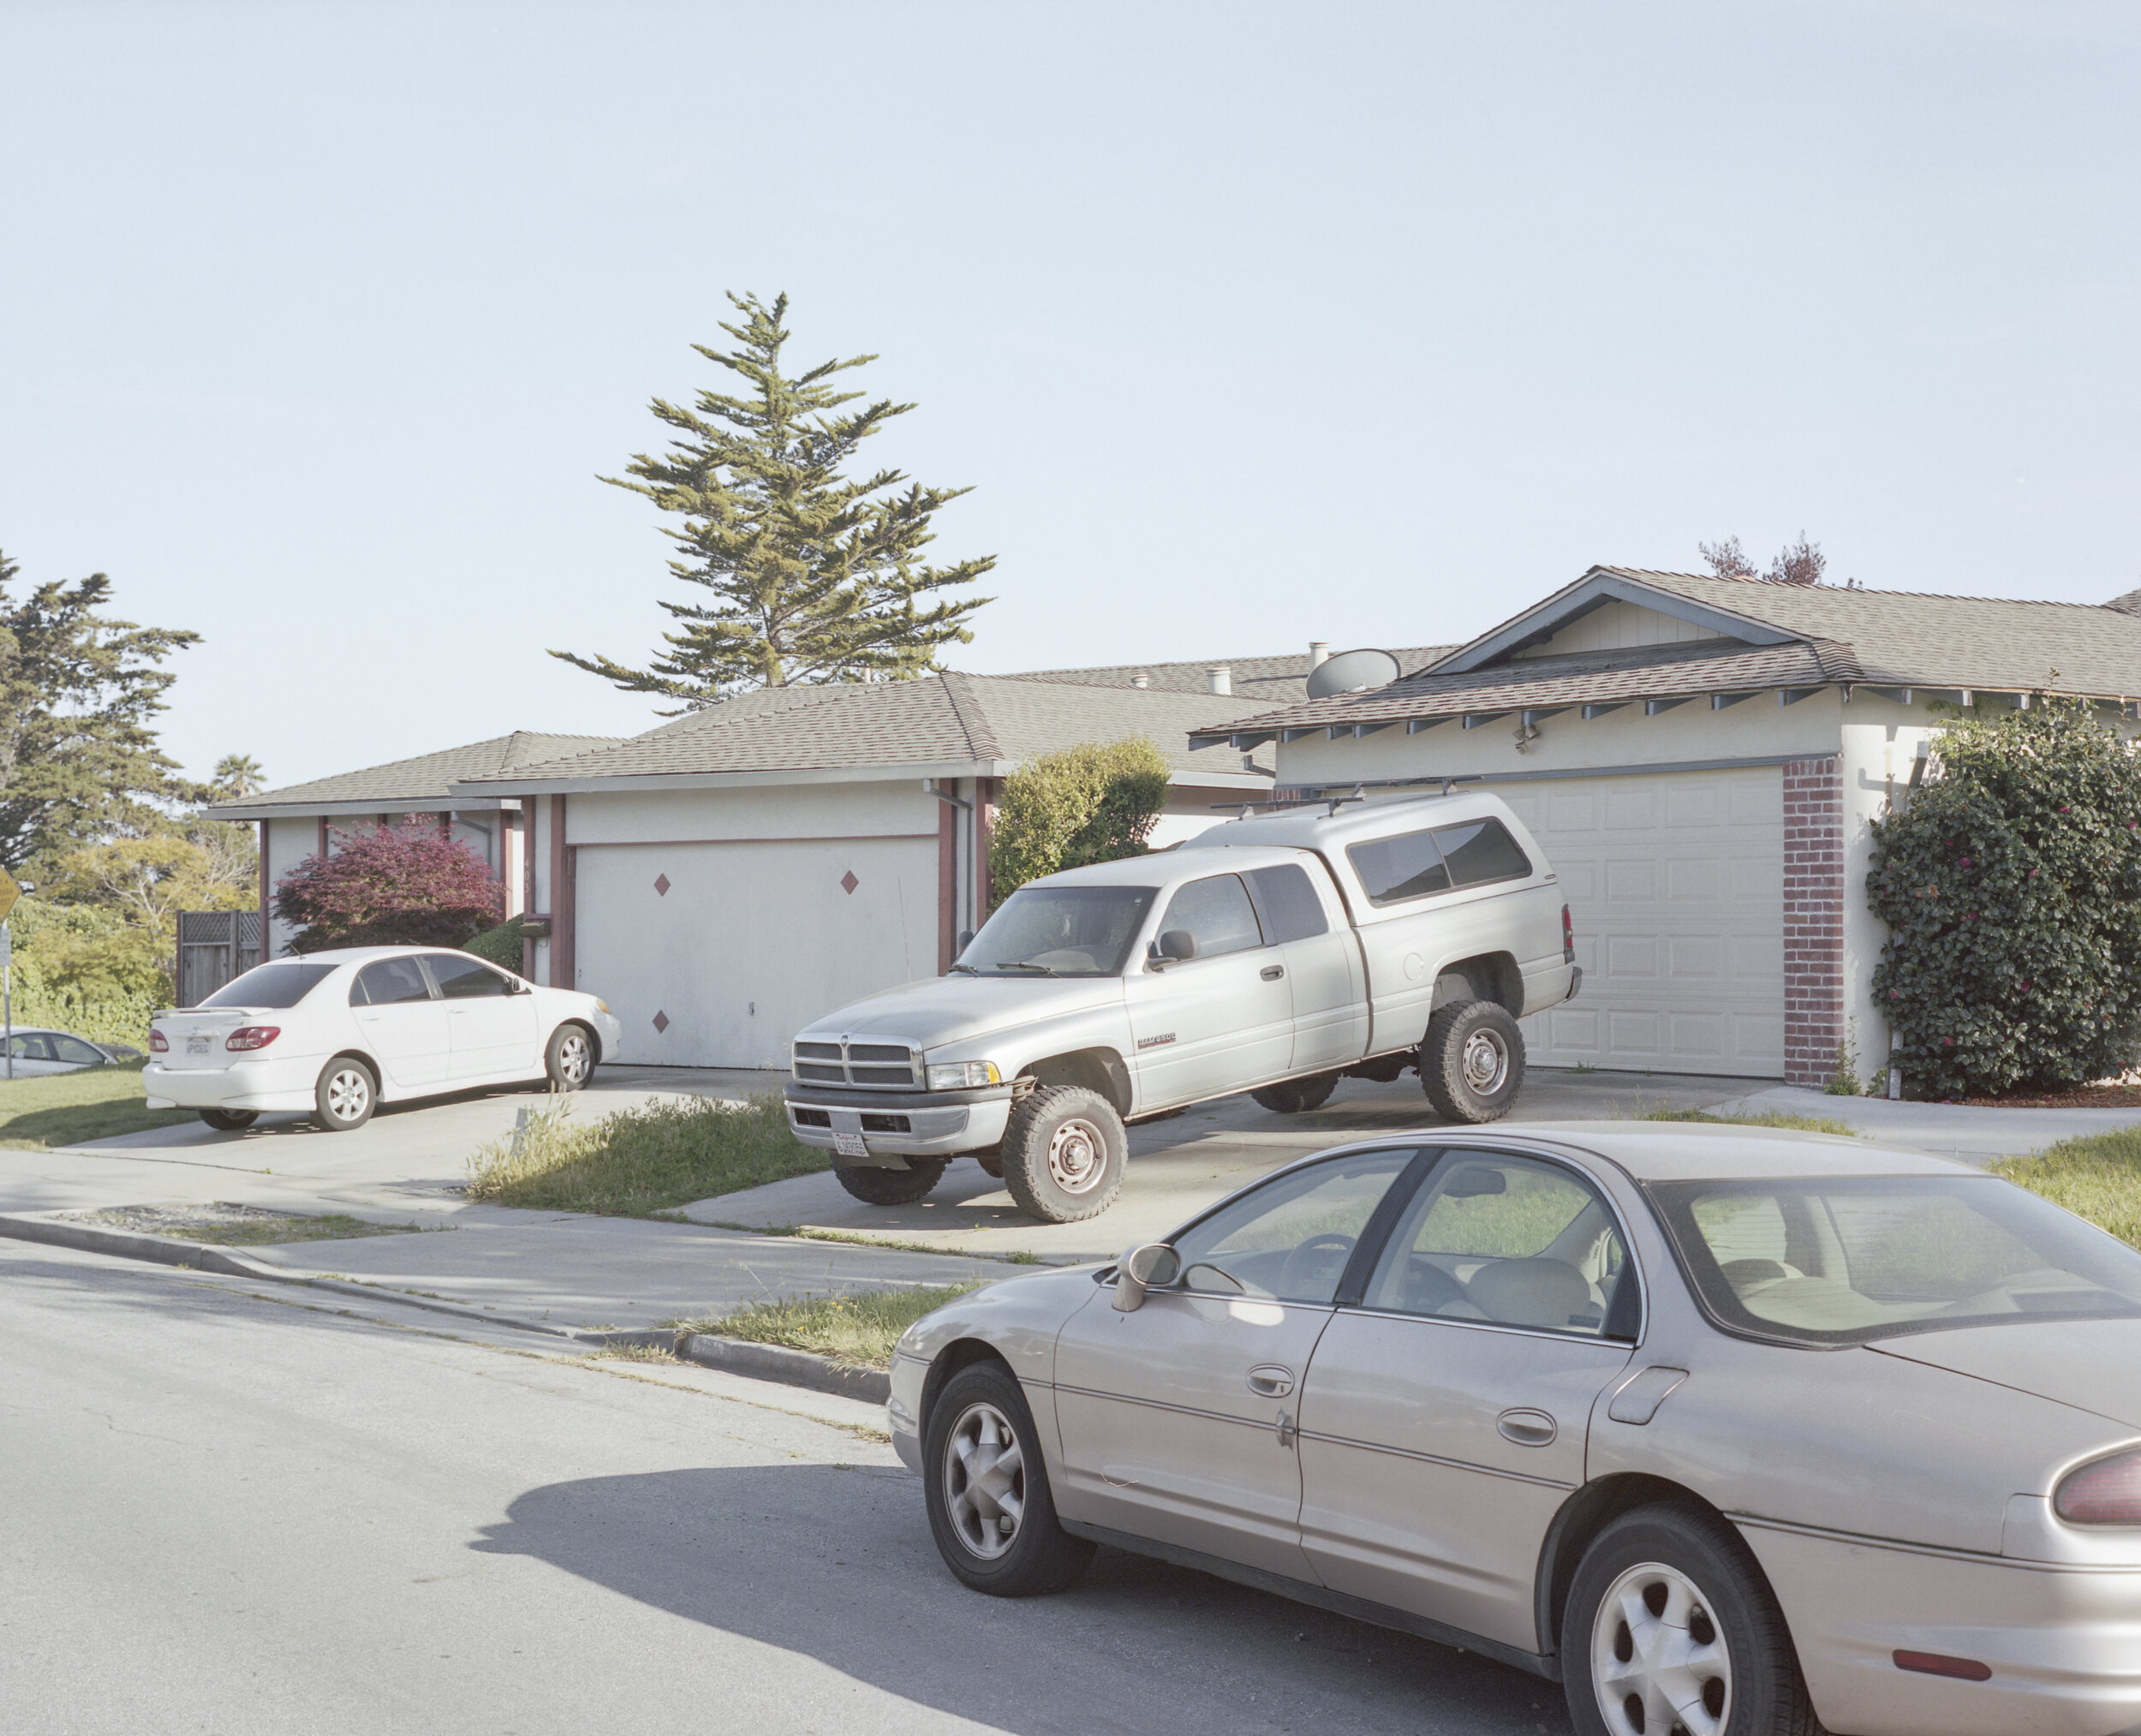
(874, 1067)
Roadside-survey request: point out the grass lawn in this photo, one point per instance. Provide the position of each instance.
(2098, 1176)
(858, 1330)
(68, 1108)
(638, 1162)
(1767, 1117)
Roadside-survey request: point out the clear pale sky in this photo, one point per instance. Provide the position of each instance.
(1250, 325)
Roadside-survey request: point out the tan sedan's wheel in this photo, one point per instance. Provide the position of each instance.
(990, 1508)
(1671, 1630)
(346, 1095)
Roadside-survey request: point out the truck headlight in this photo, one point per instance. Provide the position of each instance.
(960, 1076)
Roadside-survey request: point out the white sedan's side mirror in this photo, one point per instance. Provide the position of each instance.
(1153, 1265)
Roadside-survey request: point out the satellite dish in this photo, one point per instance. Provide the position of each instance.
(1352, 671)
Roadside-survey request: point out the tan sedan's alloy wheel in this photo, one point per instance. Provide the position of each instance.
(1671, 1630)
(990, 1507)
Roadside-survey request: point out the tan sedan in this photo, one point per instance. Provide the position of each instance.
(1724, 1430)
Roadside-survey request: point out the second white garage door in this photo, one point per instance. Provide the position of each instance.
(1675, 881)
(715, 955)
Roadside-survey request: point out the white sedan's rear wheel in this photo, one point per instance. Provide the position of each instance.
(569, 1060)
(346, 1095)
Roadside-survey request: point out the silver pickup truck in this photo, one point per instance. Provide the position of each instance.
(1274, 955)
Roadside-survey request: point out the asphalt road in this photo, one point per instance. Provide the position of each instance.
(232, 1513)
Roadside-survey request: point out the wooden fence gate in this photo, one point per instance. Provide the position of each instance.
(214, 946)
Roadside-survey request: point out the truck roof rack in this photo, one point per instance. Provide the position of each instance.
(1321, 796)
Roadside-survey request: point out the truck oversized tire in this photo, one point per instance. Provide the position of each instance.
(1063, 1153)
(1472, 1061)
(892, 1187)
(1297, 1097)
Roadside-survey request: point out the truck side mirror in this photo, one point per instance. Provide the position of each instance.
(1153, 1265)
(1174, 946)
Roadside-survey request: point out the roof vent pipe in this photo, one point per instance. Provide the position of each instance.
(1319, 652)
(1219, 680)
(1141, 681)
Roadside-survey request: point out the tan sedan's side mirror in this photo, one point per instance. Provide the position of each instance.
(1154, 1265)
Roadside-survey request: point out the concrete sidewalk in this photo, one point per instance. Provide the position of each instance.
(1950, 1130)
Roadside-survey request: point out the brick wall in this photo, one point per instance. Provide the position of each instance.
(1813, 919)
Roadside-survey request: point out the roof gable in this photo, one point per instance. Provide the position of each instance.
(1597, 589)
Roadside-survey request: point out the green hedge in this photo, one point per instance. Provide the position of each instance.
(500, 945)
(2011, 884)
(1088, 804)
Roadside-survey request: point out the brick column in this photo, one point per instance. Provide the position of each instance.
(1813, 919)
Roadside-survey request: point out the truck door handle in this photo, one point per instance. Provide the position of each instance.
(1271, 1381)
(1271, 973)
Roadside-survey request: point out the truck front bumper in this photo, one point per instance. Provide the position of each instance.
(878, 1128)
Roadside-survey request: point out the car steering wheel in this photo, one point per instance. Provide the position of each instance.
(1313, 1258)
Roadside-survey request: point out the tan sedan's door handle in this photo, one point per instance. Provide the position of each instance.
(1271, 1381)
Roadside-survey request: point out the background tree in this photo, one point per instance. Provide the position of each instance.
(386, 885)
(815, 577)
(1801, 562)
(237, 775)
(78, 691)
(2011, 884)
(1083, 805)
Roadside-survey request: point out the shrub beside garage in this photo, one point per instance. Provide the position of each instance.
(2011, 887)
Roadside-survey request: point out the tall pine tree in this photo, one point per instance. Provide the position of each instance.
(815, 577)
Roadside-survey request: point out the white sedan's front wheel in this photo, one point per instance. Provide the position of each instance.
(569, 1060)
(346, 1095)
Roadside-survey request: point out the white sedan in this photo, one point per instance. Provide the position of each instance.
(34, 1052)
(339, 1033)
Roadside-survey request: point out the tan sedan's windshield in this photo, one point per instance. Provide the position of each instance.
(1844, 1259)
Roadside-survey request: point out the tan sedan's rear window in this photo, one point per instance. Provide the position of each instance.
(1846, 1259)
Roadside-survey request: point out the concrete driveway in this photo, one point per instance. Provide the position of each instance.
(1179, 1166)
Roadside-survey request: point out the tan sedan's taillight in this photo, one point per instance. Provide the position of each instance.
(2106, 1493)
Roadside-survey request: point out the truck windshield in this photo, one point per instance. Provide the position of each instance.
(1059, 931)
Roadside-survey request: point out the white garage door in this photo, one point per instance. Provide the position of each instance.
(1675, 881)
(715, 955)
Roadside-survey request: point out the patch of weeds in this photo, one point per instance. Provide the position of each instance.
(637, 1162)
(2096, 1176)
(631, 1353)
(857, 1330)
(241, 1227)
(1766, 1117)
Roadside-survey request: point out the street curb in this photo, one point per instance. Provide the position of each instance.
(771, 1363)
(790, 1368)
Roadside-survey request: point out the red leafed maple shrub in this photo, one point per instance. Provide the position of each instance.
(390, 885)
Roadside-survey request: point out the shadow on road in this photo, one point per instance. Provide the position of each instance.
(835, 1562)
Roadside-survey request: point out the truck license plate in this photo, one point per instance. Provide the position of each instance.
(849, 1145)
(197, 1045)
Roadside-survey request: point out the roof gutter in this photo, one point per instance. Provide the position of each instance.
(935, 772)
(438, 803)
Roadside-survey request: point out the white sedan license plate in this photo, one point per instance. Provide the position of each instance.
(849, 1145)
(197, 1045)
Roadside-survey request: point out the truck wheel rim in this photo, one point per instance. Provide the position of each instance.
(346, 1094)
(572, 1059)
(984, 1481)
(1077, 1156)
(1486, 1062)
(1658, 1664)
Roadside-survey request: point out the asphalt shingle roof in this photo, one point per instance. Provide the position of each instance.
(951, 718)
(1840, 633)
(1277, 679)
(425, 779)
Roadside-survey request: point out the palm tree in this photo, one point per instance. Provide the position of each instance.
(238, 775)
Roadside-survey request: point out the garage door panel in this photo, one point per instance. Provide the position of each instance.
(734, 947)
(1675, 883)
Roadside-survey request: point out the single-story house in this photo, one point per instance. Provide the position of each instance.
(727, 877)
(1701, 759)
